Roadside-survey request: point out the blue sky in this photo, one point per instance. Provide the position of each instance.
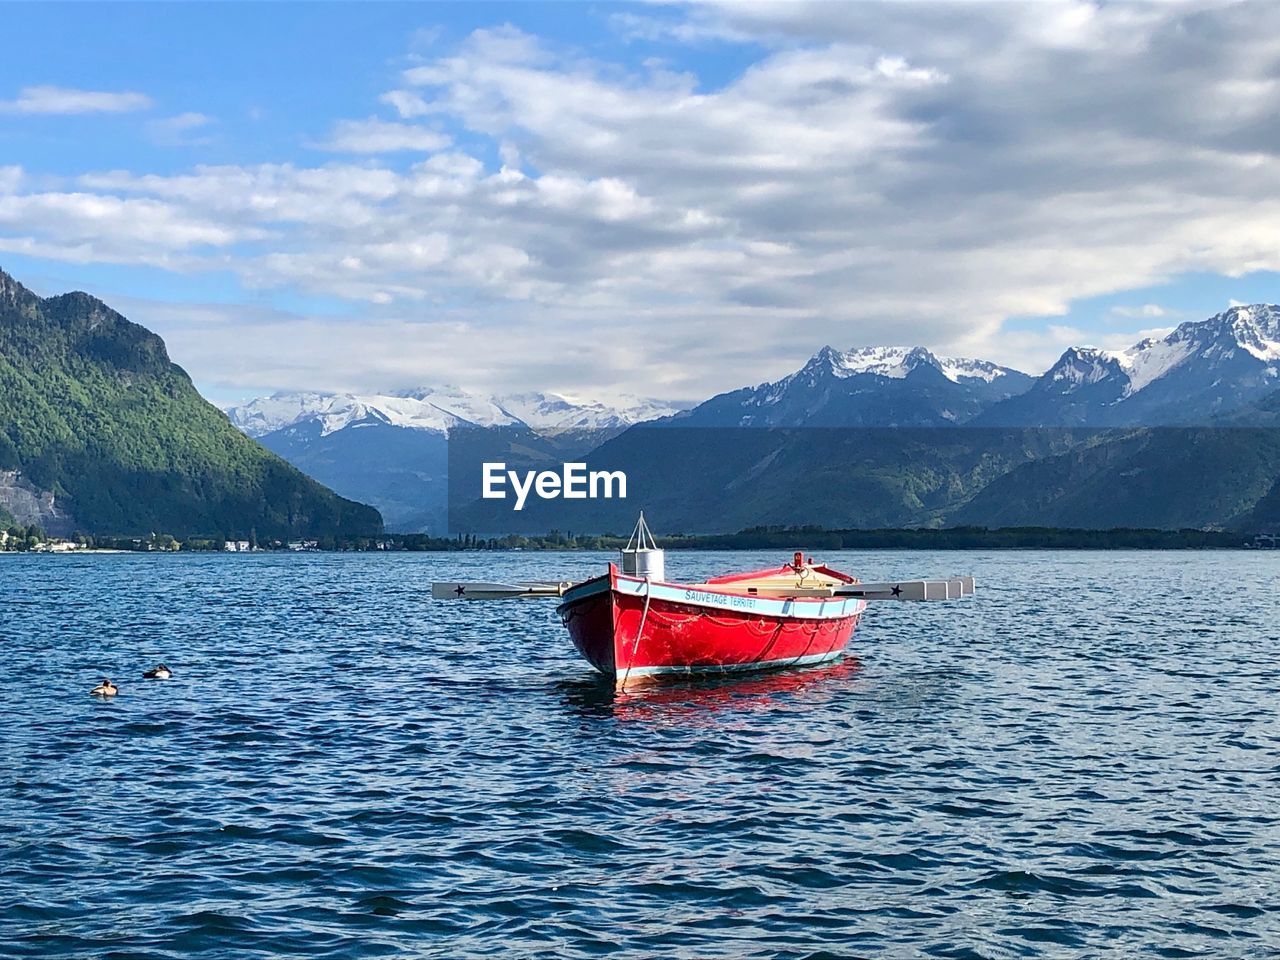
(604, 198)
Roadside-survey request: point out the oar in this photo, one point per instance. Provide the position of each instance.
(952, 588)
(453, 590)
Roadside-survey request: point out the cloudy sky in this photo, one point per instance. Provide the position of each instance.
(668, 200)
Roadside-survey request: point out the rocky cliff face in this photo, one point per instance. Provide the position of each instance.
(29, 505)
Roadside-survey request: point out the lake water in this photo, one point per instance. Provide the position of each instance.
(1082, 761)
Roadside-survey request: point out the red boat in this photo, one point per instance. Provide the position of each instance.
(631, 628)
(634, 625)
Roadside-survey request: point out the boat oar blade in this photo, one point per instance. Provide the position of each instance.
(453, 590)
(950, 589)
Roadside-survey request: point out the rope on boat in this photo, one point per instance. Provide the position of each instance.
(777, 632)
(571, 613)
(644, 615)
(809, 646)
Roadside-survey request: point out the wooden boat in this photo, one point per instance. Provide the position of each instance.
(630, 627)
(633, 625)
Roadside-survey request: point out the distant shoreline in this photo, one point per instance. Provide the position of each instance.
(785, 539)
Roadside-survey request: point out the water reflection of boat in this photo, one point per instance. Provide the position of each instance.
(691, 699)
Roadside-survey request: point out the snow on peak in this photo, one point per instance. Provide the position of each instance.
(336, 411)
(450, 401)
(1080, 366)
(1150, 359)
(960, 368)
(1265, 316)
(557, 413)
(1254, 329)
(267, 414)
(892, 362)
(896, 362)
(441, 409)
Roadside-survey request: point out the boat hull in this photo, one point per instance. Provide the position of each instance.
(635, 631)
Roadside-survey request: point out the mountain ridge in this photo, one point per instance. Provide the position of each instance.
(440, 409)
(1195, 373)
(1177, 430)
(877, 386)
(865, 386)
(101, 427)
(896, 362)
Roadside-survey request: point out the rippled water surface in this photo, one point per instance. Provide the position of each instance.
(1082, 761)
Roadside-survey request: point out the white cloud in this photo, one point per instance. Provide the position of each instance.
(92, 227)
(382, 136)
(11, 178)
(407, 104)
(66, 100)
(881, 172)
(1146, 310)
(180, 130)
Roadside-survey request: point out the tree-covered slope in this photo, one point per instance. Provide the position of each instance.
(709, 480)
(1161, 477)
(92, 410)
(704, 480)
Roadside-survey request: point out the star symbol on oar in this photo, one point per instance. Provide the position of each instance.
(459, 589)
(896, 591)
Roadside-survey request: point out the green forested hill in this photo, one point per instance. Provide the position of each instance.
(92, 410)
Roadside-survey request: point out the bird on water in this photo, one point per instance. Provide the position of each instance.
(105, 689)
(158, 672)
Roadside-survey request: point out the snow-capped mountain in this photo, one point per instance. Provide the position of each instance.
(1200, 371)
(866, 386)
(553, 413)
(896, 362)
(392, 450)
(440, 409)
(437, 411)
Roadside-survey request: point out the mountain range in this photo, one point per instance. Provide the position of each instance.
(392, 450)
(1174, 431)
(869, 386)
(1197, 374)
(442, 409)
(100, 432)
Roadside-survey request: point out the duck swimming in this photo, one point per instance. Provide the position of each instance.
(105, 689)
(158, 672)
